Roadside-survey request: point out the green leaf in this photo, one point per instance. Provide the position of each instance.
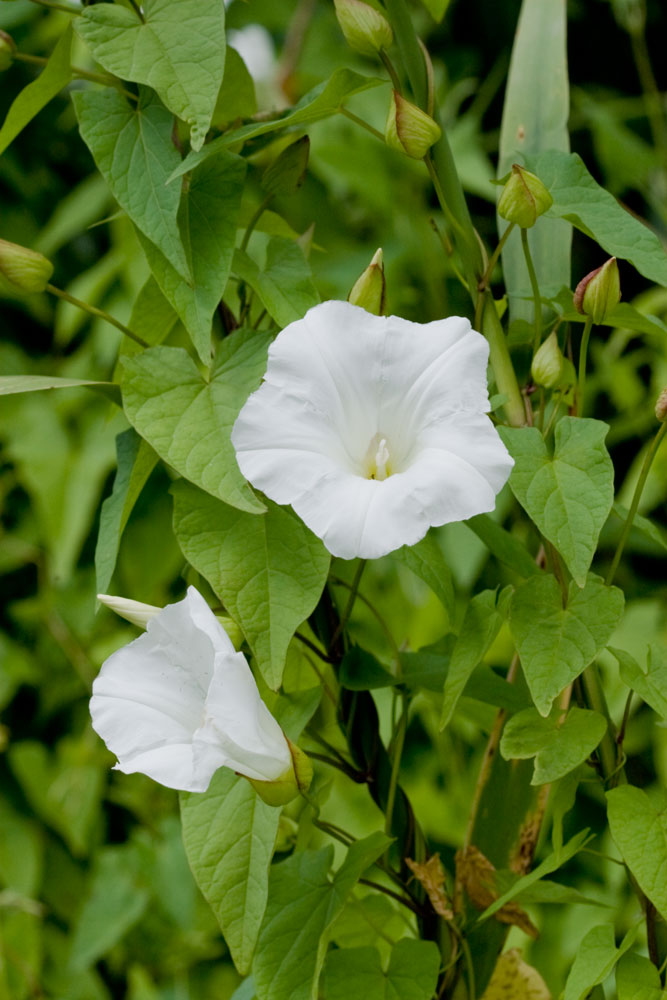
(555, 643)
(360, 671)
(436, 8)
(132, 148)
(12, 384)
(115, 902)
(357, 974)
(596, 957)
(528, 127)
(207, 219)
(153, 317)
(285, 286)
(481, 624)
(269, 571)
(189, 420)
(640, 833)
(551, 863)
(321, 102)
(178, 49)
(425, 560)
(638, 979)
(303, 902)
(229, 833)
(36, 95)
(236, 97)
(580, 199)
(567, 495)
(136, 461)
(643, 525)
(557, 748)
(649, 684)
(503, 545)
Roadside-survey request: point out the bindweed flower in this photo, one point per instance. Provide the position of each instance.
(373, 428)
(179, 702)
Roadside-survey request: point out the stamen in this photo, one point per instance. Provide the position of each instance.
(381, 459)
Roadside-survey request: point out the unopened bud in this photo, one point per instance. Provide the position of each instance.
(140, 614)
(288, 171)
(599, 292)
(7, 50)
(409, 129)
(368, 290)
(524, 198)
(23, 270)
(291, 784)
(661, 406)
(547, 366)
(366, 30)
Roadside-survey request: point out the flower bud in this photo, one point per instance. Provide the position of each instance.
(369, 289)
(288, 171)
(599, 292)
(366, 30)
(22, 269)
(524, 198)
(7, 50)
(661, 406)
(132, 611)
(409, 129)
(290, 784)
(547, 366)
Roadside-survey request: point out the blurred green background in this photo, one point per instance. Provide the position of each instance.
(96, 899)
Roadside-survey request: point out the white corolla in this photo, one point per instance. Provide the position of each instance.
(179, 702)
(373, 428)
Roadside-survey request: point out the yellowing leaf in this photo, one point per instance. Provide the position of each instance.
(513, 978)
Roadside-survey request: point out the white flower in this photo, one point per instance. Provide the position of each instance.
(373, 428)
(179, 702)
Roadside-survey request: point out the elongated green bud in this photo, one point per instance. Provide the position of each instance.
(366, 30)
(287, 173)
(369, 289)
(23, 270)
(7, 50)
(291, 784)
(547, 365)
(599, 292)
(661, 406)
(524, 198)
(409, 129)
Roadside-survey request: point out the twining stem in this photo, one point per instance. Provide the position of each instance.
(315, 649)
(447, 212)
(394, 895)
(390, 68)
(501, 363)
(493, 260)
(636, 497)
(345, 617)
(583, 351)
(399, 741)
(359, 121)
(259, 212)
(106, 79)
(537, 301)
(94, 311)
(596, 700)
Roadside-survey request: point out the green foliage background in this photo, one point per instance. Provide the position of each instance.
(96, 897)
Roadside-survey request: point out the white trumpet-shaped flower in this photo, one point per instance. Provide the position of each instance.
(179, 702)
(373, 428)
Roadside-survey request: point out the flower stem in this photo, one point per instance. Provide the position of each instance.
(583, 351)
(359, 121)
(493, 260)
(636, 497)
(537, 301)
(399, 741)
(345, 617)
(98, 313)
(391, 70)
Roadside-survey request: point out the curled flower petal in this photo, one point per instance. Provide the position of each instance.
(179, 702)
(373, 428)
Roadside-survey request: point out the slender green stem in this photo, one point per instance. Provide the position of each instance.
(345, 617)
(636, 497)
(100, 313)
(583, 352)
(501, 363)
(553, 415)
(311, 645)
(399, 740)
(359, 121)
(66, 7)
(137, 10)
(106, 79)
(537, 300)
(652, 96)
(259, 212)
(493, 260)
(596, 700)
(376, 614)
(391, 69)
(452, 222)
(394, 895)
